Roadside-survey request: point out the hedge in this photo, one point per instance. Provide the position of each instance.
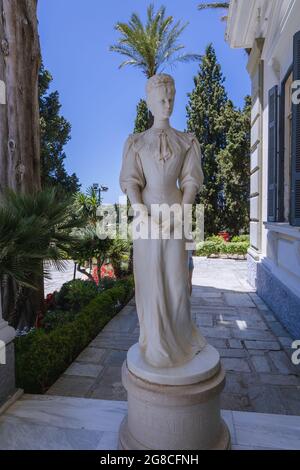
(208, 248)
(42, 357)
(241, 238)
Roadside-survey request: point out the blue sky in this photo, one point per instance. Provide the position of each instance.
(100, 100)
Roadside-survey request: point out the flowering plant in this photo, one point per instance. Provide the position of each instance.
(106, 270)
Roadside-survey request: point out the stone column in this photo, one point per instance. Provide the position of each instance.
(7, 358)
(255, 68)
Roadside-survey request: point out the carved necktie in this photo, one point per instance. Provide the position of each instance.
(165, 151)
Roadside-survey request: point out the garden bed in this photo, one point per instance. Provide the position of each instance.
(45, 353)
(217, 247)
(227, 256)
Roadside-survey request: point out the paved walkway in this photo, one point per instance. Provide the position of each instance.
(254, 347)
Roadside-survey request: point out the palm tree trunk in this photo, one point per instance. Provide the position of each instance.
(84, 271)
(19, 117)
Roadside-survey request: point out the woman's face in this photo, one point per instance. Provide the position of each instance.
(160, 101)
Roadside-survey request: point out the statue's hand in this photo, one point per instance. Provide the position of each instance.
(141, 215)
(167, 222)
(155, 215)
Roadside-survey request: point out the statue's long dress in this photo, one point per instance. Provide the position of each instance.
(153, 161)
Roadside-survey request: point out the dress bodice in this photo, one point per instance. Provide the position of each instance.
(156, 159)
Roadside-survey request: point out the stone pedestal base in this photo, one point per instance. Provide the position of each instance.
(173, 417)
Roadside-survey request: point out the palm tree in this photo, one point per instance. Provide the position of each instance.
(215, 5)
(218, 5)
(206, 6)
(87, 204)
(35, 230)
(153, 46)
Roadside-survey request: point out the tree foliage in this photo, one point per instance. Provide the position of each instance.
(153, 45)
(234, 168)
(55, 133)
(142, 121)
(206, 105)
(224, 134)
(35, 229)
(214, 5)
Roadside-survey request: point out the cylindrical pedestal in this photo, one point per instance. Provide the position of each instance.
(173, 417)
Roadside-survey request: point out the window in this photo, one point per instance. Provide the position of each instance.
(284, 165)
(295, 161)
(273, 156)
(287, 150)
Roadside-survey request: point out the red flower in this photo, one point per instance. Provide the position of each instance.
(225, 235)
(38, 321)
(49, 301)
(106, 270)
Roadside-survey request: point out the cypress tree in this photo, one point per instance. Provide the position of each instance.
(234, 168)
(55, 134)
(205, 109)
(142, 122)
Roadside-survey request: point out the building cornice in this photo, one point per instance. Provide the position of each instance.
(243, 22)
(255, 55)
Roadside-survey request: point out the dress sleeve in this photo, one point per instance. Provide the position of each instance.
(132, 176)
(191, 175)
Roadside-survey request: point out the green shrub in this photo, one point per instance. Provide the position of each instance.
(241, 238)
(55, 318)
(75, 294)
(42, 357)
(106, 283)
(237, 248)
(208, 248)
(215, 238)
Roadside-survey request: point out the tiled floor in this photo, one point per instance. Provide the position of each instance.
(64, 423)
(254, 347)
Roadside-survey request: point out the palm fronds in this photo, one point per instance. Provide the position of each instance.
(153, 45)
(215, 5)
(33, 228)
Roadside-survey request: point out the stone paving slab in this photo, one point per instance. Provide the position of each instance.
(254, 347)
(38, 422)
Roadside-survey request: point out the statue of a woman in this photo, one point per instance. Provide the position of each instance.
(153, 162)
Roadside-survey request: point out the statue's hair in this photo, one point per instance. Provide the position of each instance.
(158, 80)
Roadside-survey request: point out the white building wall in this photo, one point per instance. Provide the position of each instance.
(283, 259)
(274, 255)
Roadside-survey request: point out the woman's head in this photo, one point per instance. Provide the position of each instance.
(160, 95)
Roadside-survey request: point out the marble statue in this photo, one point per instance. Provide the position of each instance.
(172, 376)
(153, 162)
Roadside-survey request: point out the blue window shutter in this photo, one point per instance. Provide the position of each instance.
(273, 154)
(281, 153)
(295, 182)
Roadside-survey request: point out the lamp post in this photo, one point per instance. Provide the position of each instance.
(100, 188)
